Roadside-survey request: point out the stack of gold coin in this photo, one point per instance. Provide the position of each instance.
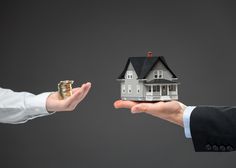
(65, 88)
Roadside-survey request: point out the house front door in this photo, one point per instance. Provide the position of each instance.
(164, 90)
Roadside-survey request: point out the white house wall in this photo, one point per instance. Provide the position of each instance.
(134, 95)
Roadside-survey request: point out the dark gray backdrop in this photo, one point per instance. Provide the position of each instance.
(44, 42)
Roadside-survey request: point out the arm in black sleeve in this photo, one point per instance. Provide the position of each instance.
(213, 128)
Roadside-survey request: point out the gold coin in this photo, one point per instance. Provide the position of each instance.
(65, 88)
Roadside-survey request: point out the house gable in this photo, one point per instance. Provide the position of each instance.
(131, 68)
(137, 63)
(131, 87)
(159, 67)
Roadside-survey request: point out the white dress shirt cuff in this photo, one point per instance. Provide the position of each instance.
(36, 105)
(186, 119)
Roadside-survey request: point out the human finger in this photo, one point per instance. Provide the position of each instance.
(77, 95)
(86, 89)
(124, 104)
(147, 107)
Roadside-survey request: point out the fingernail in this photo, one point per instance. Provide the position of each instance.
(89, 83)
(133, 111)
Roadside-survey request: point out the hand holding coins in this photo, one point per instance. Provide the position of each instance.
(65, 88)
(63, 99)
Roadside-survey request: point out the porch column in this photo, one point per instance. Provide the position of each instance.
(167, 90)
(160, 90)
(152, 89)
(176, 89)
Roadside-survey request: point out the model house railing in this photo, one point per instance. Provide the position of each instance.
(172, 93)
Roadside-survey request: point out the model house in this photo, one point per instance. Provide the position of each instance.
(148, 79)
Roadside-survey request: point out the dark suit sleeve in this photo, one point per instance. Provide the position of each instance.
(213, 128)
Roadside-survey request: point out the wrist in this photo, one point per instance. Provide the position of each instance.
(49, 103)
(178, 119)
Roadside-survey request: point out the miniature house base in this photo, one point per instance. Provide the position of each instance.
(148, 79)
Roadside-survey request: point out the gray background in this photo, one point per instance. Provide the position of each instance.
(44, 42)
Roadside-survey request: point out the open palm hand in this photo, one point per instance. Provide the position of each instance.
(171, 111)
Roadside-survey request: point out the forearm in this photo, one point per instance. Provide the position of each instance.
(19, 107)
(213, 128)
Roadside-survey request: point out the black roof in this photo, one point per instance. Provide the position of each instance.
(143, 65)
(160, 81)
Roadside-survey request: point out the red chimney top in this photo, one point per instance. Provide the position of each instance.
(149, 54)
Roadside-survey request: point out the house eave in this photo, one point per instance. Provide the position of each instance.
(120, 79)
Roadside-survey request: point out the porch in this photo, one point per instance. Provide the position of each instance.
(161, 91)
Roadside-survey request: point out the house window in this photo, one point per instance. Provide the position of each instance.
(138, 88)
(129, 74)
(158, 74)
(149, 88)
(172, 88)
(156, 88)
(123, 88)
(129, 89)
(155, 74)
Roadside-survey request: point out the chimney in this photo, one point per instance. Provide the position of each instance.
(149, 54)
